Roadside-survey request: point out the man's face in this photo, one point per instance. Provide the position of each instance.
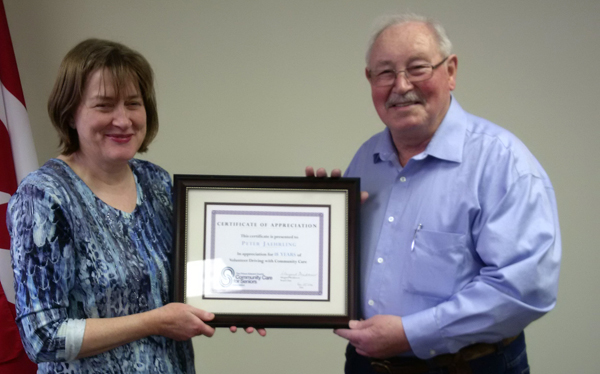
(411, 109)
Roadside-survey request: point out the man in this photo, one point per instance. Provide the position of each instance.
(460, 237)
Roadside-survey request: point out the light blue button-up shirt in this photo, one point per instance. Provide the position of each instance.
(463, 241)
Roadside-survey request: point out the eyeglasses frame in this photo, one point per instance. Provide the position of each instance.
(433, 67)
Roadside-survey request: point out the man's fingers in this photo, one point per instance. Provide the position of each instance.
(321, 172)
(250, 330)
(348, 334)
(261, 332)
(364, 195)
(343, 333)
(360, 325)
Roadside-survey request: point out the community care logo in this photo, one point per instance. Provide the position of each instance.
(227, 276)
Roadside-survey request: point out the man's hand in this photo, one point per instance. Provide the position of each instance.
(335, 173)
(322, 173)
(250, 330)
(380, 336)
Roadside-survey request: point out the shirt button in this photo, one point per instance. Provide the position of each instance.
(371, 302)
(391, 219)
(402, 179)
(380, 260)
(432, 352)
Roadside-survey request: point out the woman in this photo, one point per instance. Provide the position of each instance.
(92, 232)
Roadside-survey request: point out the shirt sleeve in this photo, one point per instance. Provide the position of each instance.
(72, 330)
(518, 241)
(43, 264)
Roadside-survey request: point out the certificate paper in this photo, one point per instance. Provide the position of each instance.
(267, 251)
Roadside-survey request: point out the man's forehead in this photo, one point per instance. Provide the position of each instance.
(411, 40)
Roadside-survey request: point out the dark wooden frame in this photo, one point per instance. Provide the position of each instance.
(306, 184)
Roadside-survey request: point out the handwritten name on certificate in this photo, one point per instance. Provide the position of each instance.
(266, 251)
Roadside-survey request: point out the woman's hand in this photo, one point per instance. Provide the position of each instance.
(181, 321)
(175, 320)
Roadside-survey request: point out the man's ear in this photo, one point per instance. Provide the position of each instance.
(451, 66)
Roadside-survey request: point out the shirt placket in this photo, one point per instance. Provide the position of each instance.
(388, 246)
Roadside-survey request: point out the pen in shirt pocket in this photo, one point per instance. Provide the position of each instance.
(412, 245)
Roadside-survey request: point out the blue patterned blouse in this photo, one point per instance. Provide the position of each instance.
(75, 257)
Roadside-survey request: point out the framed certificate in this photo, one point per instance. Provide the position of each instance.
(267, 251)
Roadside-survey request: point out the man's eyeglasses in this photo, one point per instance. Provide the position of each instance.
(414, 74)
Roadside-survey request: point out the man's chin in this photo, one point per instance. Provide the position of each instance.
(406, 120)
(409, 125)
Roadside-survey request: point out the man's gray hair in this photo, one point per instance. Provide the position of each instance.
(444, 44)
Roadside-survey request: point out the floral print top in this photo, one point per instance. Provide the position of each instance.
(75, 257)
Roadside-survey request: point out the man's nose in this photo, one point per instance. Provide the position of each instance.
(402, 84)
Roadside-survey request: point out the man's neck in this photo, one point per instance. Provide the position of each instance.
(409, 145)
(410, 142)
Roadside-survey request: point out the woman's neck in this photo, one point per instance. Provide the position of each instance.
(112, 183)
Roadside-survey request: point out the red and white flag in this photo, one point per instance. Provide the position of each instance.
(17, 158)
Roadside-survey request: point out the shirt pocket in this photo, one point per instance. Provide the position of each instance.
(434, 265)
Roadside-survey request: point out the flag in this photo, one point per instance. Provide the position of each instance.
(17, 158)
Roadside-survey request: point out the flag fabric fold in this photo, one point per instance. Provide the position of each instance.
(17, 159)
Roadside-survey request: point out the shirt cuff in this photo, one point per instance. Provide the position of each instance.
(72, 330)
(424, 335)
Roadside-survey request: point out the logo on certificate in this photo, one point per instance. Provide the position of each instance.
(227, 276)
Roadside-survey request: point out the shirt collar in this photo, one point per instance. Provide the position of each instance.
(449, 139)
(385, 149)
(447, 142)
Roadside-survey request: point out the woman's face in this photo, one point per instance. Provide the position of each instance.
(110, 128)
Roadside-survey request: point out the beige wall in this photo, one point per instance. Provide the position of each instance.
(267, 87)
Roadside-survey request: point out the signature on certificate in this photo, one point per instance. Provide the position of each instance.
(288, 277)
